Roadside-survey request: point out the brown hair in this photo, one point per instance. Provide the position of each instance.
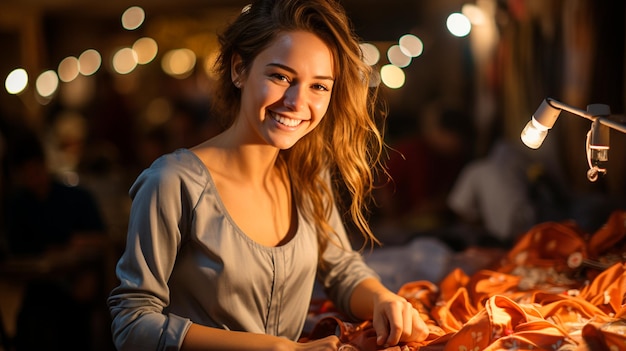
(348, 141)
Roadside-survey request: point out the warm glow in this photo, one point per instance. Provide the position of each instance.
(411, 45)
(392, 76)
(124, 61)
(458, 24)
(146, 50)
(77, 93)
(397, 57)
(47, 83)
(209, 63)
(133, 18)
(68, 69)
(89, 62)
(16, 81)
(371, 54)
(179, 63)
(474, 13)
(158, 111)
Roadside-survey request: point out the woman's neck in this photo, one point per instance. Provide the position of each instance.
(241, 160)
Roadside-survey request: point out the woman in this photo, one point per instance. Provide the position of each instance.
(225, 239)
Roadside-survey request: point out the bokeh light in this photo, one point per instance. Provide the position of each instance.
(411, 45)
(458, 24)
(124, 61)
(47, 83)
(146, 50)
(16, 81)
(371, 54)
(133, 18)
(89, 62)
(68, 69)
(178, 63)
(397, 57)
(392, 76)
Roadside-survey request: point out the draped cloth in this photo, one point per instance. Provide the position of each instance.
(556, 289)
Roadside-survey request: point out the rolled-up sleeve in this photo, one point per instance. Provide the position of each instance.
(343, 268)
(153, 240)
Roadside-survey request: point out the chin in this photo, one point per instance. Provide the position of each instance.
(285, 146)
(284, 143)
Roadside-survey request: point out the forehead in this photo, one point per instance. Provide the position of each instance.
(299, 50)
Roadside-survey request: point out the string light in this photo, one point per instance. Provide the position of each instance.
(180, 63)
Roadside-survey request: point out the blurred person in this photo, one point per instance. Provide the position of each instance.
(44, 214)
(226, 238)
(59, 227)
(492, 193)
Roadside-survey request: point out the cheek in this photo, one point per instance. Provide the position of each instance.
(256, 97)
(321, 107)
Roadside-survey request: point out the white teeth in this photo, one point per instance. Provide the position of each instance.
(286, 121)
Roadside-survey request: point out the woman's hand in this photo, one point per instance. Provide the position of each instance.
(394, 319)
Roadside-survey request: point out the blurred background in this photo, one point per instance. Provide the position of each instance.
(95, 91)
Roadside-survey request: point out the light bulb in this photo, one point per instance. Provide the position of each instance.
(534, 133)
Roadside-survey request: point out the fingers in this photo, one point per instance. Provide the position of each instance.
(408, 324)
(380, 324)
(394, 323)
(399, 322)
(420, 329)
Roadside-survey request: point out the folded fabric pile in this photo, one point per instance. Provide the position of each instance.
(556, 289)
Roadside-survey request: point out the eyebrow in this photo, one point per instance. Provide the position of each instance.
(291, 70)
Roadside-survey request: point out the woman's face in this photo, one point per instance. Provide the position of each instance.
(286, 91)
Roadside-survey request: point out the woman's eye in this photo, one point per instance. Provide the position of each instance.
(280, 77)
(320, 87)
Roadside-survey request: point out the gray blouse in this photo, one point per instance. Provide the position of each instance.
(187, 261)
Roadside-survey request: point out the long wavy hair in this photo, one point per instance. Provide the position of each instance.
(348, 143)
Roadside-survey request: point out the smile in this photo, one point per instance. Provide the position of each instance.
(289, 122)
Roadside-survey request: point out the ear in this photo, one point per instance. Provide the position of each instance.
(236, 70)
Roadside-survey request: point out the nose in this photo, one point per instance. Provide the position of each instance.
(295, 97)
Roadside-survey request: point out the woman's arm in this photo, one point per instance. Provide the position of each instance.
(393, 317)
(205, 338)
(144, 269)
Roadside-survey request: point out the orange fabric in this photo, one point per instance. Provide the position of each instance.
(504, 324)
(547, 245)
(550, 292)
(608, 289)
(611, 238)
(485, 284)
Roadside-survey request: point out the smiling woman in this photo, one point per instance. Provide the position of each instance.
(226, 238)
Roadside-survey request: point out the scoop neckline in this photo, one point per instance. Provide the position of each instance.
(231, 220)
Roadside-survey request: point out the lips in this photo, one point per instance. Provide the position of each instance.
(289, 122)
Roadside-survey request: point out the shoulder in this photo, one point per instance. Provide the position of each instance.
(178, 171)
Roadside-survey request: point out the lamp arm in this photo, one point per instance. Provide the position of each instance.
(582, 113)
(612, 124)
(561, 106)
